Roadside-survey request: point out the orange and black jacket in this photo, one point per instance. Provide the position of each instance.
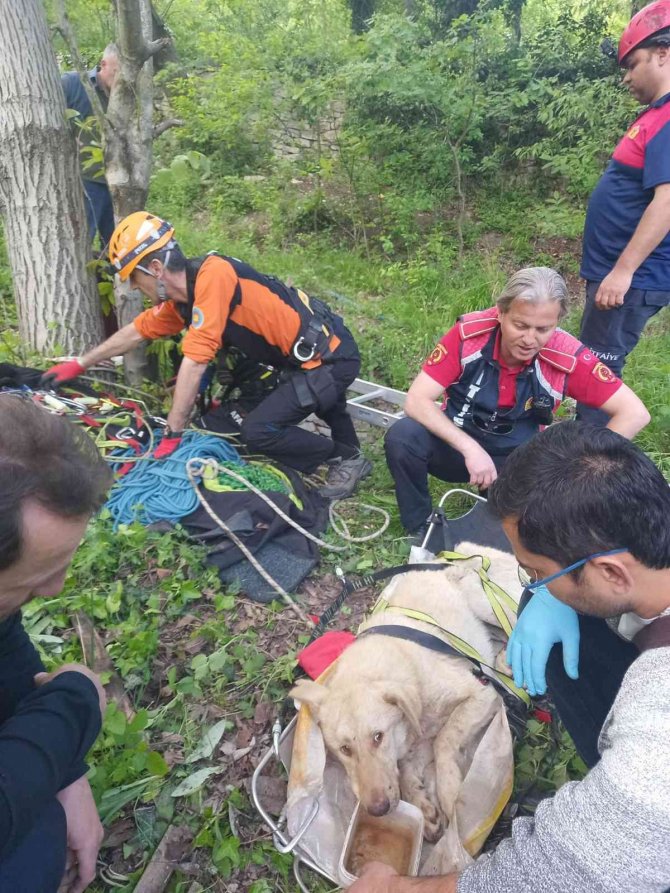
(231, 304)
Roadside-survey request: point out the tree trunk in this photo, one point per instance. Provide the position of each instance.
(41, 192)
(128, 139)
(361, 13)
(513, 11)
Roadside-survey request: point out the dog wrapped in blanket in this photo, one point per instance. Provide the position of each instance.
(404, 720)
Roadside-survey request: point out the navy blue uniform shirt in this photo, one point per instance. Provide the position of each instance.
(640, 162)
(76, 98)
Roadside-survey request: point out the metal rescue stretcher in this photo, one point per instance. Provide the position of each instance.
(300, 841)
(312, 827)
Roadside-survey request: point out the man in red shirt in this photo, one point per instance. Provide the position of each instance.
(505, 371)
(223, 302)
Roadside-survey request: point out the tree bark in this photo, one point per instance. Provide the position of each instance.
(127, 135)
(128, 139)
(128, 128)
(41, 192)
(513, 11)
(361, 13)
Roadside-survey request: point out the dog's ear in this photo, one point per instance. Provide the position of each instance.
(311, 693)
(409, 702)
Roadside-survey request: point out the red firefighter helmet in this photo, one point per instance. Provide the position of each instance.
(645, 24)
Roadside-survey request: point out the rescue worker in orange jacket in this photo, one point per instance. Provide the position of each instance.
(223, 302)
(505, 371)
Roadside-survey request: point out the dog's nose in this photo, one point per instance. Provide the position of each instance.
(379, 807)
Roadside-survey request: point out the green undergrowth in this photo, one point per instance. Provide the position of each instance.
(150, 595)
(399, 306)
(544, 760)
(191, 669)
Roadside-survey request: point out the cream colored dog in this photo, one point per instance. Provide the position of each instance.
(405, 720)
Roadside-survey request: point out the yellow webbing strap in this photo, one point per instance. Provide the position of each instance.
(508, 682)
(496, 596)
(456, 642)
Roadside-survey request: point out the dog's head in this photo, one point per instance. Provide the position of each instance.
(369, 727)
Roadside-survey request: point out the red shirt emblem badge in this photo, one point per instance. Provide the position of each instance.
(437, 355)
(603, 372)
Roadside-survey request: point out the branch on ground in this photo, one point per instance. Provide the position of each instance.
(173, 847)
(97, 659)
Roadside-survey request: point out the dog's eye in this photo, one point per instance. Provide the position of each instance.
(346, 750)
(378, 737)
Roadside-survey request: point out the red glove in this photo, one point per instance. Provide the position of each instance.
(167, 446)
(61, 373)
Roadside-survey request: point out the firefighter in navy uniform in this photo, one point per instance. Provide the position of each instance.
(626, 246)
(223, 302)
(505, 371)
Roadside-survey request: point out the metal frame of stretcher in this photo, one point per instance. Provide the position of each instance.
(475, 496)
(281, 749)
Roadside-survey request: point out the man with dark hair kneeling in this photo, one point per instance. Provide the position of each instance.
(52, 479)
(588, 515)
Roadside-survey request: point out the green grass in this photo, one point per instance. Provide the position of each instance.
(175, 636)
(398, 308)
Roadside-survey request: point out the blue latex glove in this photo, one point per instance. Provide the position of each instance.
(544, 622)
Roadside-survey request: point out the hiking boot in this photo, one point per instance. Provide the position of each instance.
(344, 475)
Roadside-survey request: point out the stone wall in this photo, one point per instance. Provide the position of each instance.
(293, 139)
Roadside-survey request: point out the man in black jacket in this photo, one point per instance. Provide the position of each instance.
(51, 480)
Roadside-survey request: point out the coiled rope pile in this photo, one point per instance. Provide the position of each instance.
(196, 467)
(161, 490)
(169, 489)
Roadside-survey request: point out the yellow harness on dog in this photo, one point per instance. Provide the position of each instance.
(497, 597)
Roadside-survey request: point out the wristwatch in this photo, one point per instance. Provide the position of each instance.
(168, 432)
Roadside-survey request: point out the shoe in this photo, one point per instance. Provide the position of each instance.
(416, 537)
(344, 475)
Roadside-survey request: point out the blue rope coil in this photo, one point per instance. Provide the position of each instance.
(159, 489)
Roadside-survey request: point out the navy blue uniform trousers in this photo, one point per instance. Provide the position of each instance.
(99, 212)
(412, 453)
(37, 864)
(613, 334)
(583, 703)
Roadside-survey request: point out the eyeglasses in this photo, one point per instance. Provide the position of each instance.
(532, 582)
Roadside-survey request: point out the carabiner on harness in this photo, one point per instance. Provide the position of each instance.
(310, 348)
